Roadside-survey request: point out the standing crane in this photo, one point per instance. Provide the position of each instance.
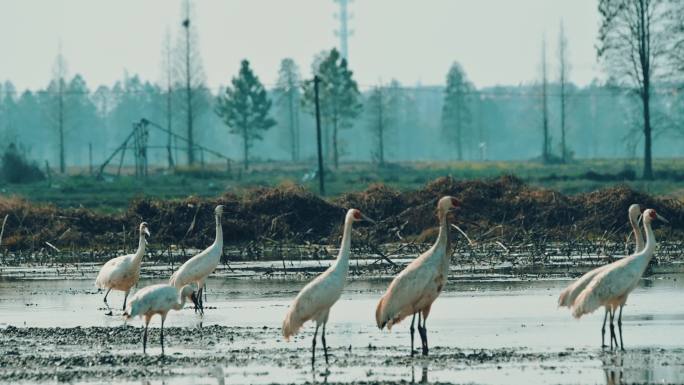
(197, 269)
(316, 298)
(568, 296)
(417, 286)
(612, 286)
(122, 273)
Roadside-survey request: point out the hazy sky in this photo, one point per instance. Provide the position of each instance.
(496, 41)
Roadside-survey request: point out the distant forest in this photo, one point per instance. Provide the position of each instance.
(71, 123)
(505, 123)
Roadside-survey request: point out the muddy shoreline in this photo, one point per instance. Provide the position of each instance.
(72, 354)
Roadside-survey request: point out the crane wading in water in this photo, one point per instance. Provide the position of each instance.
(417, 286)
(612, 285)
(197, 269)
(122, 273)
(569, 295)
(158, 299)
(316, 298)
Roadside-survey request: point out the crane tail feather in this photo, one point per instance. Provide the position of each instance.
(585, 303)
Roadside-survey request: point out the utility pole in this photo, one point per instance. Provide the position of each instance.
(321, 185)
(188, 91)
(343, 32)
(381, 128)
(545, 113)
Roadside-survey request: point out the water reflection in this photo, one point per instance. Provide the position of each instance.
(217, 372)
(423, 374)
(320, 377)
(612, 367)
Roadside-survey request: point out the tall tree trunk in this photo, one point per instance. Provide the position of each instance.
(334, 144)
(62, 161)
(293, 136)
(459, 144)
(381, 130)
(168, 127)
(645, 98)
(188, 92)
(246, 148)
(644, 57)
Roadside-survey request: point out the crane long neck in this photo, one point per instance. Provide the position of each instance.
(644, 256)
(443, 236)
(345, 247)
(141, 248)
(219, 231)
(638, 238)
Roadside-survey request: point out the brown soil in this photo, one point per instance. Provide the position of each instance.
(505, 207)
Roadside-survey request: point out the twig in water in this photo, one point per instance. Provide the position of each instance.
(470, 242)
(52, 246)
(2, 231)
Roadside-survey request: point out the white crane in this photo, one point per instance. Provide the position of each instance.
(417, 286)
(158, 299)
(570, 293)
(197, 269)
(612, 286)
(122, 273)
(316, 298)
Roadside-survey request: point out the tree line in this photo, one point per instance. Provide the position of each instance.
(69, 124)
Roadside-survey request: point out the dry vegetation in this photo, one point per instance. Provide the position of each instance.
(504, 208)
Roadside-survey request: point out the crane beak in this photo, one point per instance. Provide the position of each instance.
(661, 218)
(147, 232)
(365, 218)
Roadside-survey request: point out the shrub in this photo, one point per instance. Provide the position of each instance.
(17, 169)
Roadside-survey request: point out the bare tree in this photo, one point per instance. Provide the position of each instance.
(563, 71)
(632, 38)
(545, 110)
(167, 68)
(56, 94)
(189, 74)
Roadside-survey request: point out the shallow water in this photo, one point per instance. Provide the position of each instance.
(515, 315)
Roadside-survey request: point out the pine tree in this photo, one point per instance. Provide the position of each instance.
(289, 96)
(245, 108)
(456, 112)
(338, 94)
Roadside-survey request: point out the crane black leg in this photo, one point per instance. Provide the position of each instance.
(603, 329)
(106, 294)
(125, 298)
(145, 338)
(313, 347)
(425, 338)
(622, 345)
(423, 335)
(612, 330)
(413, 331)
(162, 336)
(325, 346)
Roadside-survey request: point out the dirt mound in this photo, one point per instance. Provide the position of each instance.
(292, 214)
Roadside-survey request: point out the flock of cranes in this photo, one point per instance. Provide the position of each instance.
(410, 294)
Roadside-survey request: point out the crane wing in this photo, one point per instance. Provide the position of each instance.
(607, 286)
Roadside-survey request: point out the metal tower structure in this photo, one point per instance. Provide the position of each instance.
(344, 32)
